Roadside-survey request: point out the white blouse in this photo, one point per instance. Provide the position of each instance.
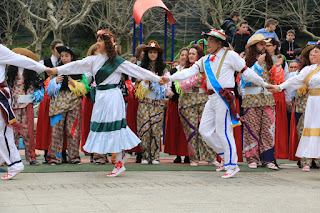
(93, 63)
(233, 62)
(298, 81)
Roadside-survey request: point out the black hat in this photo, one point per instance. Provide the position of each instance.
(67, 49)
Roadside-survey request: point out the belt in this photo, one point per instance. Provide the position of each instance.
(314, 92)
(106, 87)
(256, 91)
(211, 91)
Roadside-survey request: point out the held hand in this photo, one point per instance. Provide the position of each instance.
(59, 78)
(261, 58)
(164, 80)
(170, 94)
(273, 88)
(279, 60)
(71, 81)
(51, 71)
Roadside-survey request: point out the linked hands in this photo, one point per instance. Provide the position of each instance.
(51, 71)
(273, 88)
(164, 80)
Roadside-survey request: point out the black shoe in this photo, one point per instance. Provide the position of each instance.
(107, 160)
(314, 165)
(177, 160)
(299, 164)
(64, 156)
(138, 158)
(34, 163)
(77, 162)
(91, 158)
(186, 159)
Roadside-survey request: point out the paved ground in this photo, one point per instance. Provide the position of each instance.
(288, 190)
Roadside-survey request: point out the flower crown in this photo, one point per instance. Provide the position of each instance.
(104, 33)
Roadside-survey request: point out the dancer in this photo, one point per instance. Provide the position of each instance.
(151, 105)
(8, 150)
(259, 105)
(309, 145)
(175, 142)
(217, 119)
(25, 84)
(44, 130)
(109, 132)
(64, 111)
(191, 104)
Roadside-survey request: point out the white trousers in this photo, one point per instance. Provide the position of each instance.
(217, 131)
(8, 150)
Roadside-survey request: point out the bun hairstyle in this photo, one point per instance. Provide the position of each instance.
(109, 41)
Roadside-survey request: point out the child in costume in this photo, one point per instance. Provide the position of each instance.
(65, 110)
(25, 84)
(109, 132)
(151, 105)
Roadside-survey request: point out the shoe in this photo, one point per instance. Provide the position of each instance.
(231, 172)
(215, 163)
(194, 163)
(34, 163)
(155, 162)
(186, 159)
(107, 160)
(53, 163)
(299, 164)
(118, 169)
(221, 167)
(253, 165)
(314, 165)
(138, 158)
(44, 161)
(11, 175)
(306, 169)
(125, 157)
(77, 162)
(144, 162)
(272, 166)
(91, 158)
(177, 160)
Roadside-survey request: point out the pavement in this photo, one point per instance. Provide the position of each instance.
(287, 190)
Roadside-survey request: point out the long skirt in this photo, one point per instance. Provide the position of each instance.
(109, 132)
(175, 142)
(281, 138)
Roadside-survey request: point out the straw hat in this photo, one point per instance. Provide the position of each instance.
(256, 39)
(153, 45)
(219, 34)
(26, 52)
(310, 45)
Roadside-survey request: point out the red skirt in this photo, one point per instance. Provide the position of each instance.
(175, 140)
(237, 133)
(131, 117)
(44, 130)
(87, 107)
(281, 136)
(293, 139)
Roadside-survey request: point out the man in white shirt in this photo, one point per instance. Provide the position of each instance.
(217, 121)
(8, 151)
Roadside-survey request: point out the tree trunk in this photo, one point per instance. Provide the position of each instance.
(8, 37)
(38, 47)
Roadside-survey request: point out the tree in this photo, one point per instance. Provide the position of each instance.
(42, 17)
(10, 19)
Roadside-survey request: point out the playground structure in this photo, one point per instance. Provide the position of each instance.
(139, 8)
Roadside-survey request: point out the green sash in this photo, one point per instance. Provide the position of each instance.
(107, 69)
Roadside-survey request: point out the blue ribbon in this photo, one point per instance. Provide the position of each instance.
(217, 87)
